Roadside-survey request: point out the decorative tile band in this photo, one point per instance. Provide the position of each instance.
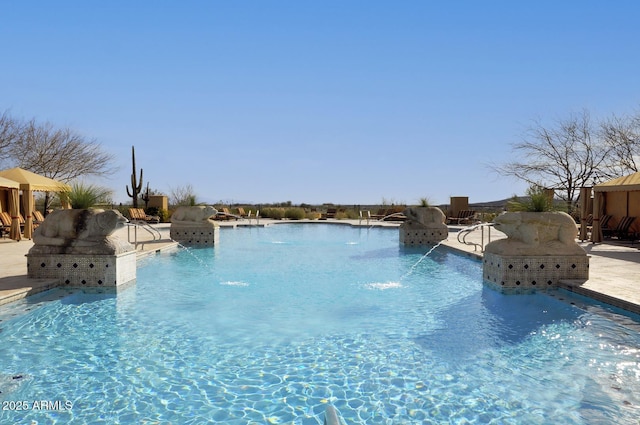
(424, 236)
(195, 236)
(531, 272)
(84, 270)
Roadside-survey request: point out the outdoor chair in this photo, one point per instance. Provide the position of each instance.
(604, 223)
(463, 216)
(21, 220)
(621, 230)
(5, 223)
(138, 214)
(586, 223)
(381, 213)
(225, 214)
(241, 212)
(331, 213)
(394, 214)
(38, 218)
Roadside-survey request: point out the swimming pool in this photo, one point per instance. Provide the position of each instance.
(276, 323)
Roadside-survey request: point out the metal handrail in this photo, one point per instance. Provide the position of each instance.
(368, 217)
(257, 216)
(143, 225)
(467, 231)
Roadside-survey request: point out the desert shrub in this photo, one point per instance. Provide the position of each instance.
(163, 214)
(84, 195)
(294, 213)
(537, 201)
(488, 217)
(313, 215)
(347, 214)
(274, 213)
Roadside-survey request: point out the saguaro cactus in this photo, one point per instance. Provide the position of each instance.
(136, 185)
(145, 197)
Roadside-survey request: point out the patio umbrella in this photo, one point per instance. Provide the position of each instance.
(30, 182)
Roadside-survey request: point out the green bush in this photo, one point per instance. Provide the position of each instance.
(274, 213)
(294, 213)
(537, 201)
(163, 214)
(86, 195)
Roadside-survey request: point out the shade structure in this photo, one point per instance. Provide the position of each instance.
(598, 212)
(14, 211)
(12, 187)
(585, 198)
(30, 182)
(620, 198)
(621, 184)
(8, 184)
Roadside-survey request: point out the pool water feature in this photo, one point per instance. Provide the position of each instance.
(289, 319)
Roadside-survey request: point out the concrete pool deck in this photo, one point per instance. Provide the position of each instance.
(614, 270)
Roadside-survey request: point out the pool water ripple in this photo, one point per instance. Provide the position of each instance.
(180, 347)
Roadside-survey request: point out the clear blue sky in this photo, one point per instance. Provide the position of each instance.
(317, 101)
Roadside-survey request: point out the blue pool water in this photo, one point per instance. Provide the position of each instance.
(276, 323)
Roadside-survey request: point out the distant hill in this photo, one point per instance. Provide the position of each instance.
(501, 204)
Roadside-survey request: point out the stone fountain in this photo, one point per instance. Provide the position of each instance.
(423, 226)
(193, 226)
(540, 249)
(77, 248)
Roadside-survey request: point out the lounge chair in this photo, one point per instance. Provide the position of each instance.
(394, 214)
(381, 213)
(604, 223)
(463, 217)
(37, 217)
(138, 215)
(5, 223)
(587, 224)
(22, 221)
(621, 230)
(331, 213)
(225, 214)
(241, 212)
(6, 220)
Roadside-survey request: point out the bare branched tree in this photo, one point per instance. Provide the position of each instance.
(564, 157)
(58, 153)
(9, 130)
(182, 196)
(622, 136)
(61, 154)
